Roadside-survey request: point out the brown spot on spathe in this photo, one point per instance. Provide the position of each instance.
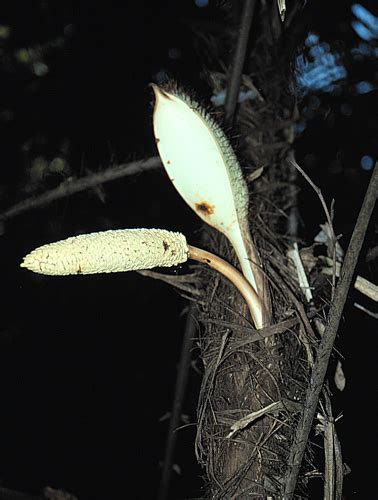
(205, 208)
(165, 245)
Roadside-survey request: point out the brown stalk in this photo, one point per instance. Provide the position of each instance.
(254, 303)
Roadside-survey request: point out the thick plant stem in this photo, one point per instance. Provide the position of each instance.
(180, 390)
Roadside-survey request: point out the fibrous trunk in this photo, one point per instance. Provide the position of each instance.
(259, 381)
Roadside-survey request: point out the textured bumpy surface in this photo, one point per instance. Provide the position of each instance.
(109, 252)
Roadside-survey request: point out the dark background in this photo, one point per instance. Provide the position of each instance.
(88, 363)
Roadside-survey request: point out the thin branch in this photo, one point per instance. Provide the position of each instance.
(238, 62)
(257, 335)
(365, 310)
(329, 448)
(361, 284)
(48, 493)
(187, 283)
(339, 472)
(180, 390)
(8, 494)
(328, 338)
(72, 186)
(328, 215)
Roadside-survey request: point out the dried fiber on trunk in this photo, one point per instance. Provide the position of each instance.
(243, 376)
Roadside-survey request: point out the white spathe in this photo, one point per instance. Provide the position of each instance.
(203, 167)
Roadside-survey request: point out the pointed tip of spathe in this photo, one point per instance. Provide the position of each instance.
(155, 87)
(159, 92)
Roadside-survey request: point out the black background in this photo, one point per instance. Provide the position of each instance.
(88, 363)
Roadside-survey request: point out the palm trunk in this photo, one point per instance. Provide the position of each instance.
(242, 376)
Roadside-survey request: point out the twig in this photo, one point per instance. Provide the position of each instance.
(8, 494)
(365, 310)
(72, 186)
(301, 273)
(182, 378)
(48, 493)
(272, 408)
(328, 338)
(327, 214)
(238, 62)
(257, 335)
(339, 472)
(333, 465)
(329, 448)
(361, 284)
(184, 282)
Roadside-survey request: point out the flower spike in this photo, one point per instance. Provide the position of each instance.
(131, 250)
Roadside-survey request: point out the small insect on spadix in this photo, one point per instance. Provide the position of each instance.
(109, 252)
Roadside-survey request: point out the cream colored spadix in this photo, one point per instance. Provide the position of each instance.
(131, 250)
(109, 252)
(204, 169)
